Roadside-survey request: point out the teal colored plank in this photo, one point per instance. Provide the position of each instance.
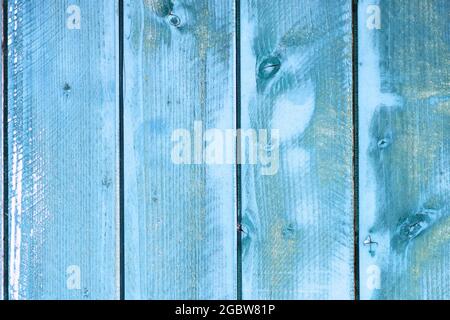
(2, 216)
(404, 126)
(296, 64)
(62, 150)
(180, 219)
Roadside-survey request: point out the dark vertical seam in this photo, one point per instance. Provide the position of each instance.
(5, 151)
(355, 145)
(238, 166)
(121, 154)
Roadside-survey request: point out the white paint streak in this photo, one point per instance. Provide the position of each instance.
(248, 61)
(293, 111)
(16, 221)
(370, 99)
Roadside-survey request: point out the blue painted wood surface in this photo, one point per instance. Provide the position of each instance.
(404, 126)
(2, 217)
(180, 219)
(62, 118)
(296, 67)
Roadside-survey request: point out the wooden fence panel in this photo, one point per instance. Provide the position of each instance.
(297, 202)
(180, 218)
(62, 146)
(404, 129)
(2, 213)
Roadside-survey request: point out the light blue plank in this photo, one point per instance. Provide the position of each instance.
(404, 126)
(62, 150)
(297, 239)
(180, 219)
(2, 216)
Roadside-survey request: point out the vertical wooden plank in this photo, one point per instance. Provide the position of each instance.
(404, 113)
(180, 219)
(62, 149)
(296, 64)
(2, 216)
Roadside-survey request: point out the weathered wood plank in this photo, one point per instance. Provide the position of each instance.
(62, 149)
(2, 216)
(297, 234)
(404, 113)
(180, 219)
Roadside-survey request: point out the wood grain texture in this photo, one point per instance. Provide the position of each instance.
(297, 240)
(404, 113)
(180, 219)
(2, 216)
(62, 150)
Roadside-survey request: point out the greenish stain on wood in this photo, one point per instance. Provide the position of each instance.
(180, 219)
(296, 66)
(404, 112)
(62, 150)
